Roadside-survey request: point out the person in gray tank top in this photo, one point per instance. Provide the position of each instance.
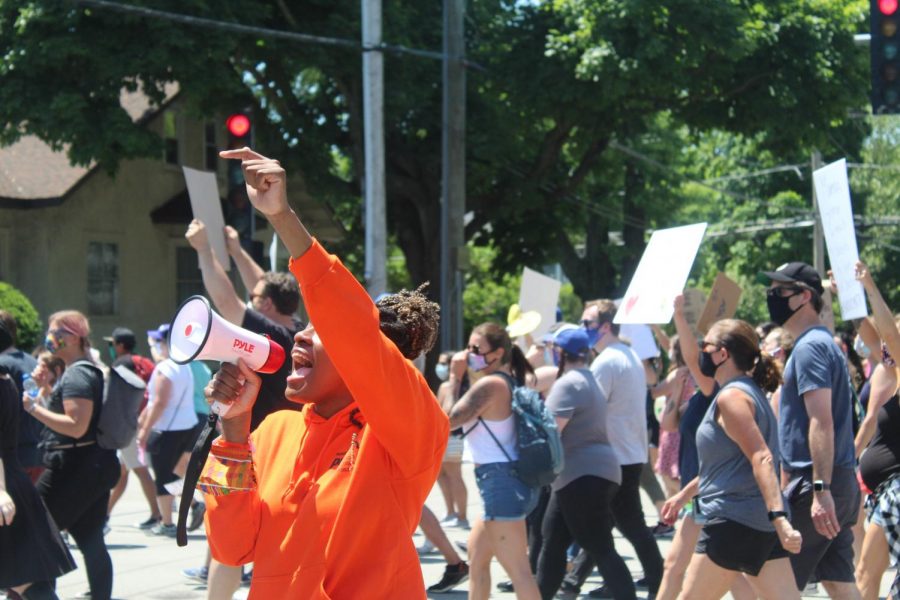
(746, 527)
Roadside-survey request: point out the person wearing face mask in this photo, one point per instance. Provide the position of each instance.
(815, 428)
(485, 413)
(450, 481)
(737, 491)
(620, 374)
(75, 487)
(325, 501)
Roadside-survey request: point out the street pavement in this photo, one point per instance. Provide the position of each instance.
(149, 567)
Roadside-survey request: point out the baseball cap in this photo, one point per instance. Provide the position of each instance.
(121, 335)
(160, 333)
(573, 341)
(555, 329)
(796, 272)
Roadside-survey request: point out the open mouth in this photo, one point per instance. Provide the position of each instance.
(301, 366)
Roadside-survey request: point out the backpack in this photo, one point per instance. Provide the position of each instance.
(537, 437)
(123, 393)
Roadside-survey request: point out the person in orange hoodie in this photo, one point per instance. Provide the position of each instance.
(325, 502)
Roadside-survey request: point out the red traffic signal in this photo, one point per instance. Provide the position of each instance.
(239, 124)
(887, 7)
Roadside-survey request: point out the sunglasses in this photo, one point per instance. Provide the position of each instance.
(588, 323)
(703, 344)
(474, 349)
(59, 332)
(780, 292)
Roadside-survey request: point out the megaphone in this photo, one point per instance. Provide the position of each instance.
(197, 332)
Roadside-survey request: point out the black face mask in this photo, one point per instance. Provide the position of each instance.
(779, 307)
(707, 366)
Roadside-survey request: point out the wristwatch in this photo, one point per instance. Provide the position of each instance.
(775, 514)
(821, 486)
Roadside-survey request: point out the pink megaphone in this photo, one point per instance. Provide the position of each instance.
(199, 333)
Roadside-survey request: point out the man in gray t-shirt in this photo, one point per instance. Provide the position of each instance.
(815, 432)
(620, 375)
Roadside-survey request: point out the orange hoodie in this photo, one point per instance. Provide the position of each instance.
(337, 502)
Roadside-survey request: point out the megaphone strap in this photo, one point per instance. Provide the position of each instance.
(195, 465)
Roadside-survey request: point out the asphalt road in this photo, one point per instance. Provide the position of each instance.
(149, 567)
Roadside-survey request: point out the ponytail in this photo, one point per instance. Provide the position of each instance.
(766, 373)
(521, 368)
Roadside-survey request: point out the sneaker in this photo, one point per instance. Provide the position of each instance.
(426, 548)
(450, 518)
(453, 576)
(505, 586)
(197, 512)
(163, 530)
(200, 574)
(461, 523)
(662, 530)
(246, 577)
(148, 524)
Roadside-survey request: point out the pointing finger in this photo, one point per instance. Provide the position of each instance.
(244, 153)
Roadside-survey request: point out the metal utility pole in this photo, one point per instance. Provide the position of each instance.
(453, 180)
(373, 124)
(818, 233)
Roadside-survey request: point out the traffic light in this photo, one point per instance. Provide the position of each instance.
(238, 210)
(885, 45)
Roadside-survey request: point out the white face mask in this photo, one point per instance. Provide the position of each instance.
(860, 347)
(442, 371)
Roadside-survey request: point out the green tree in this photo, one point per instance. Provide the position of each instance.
(28, 321)
(568, 88)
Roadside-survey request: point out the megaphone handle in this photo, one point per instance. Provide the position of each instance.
(220, 408)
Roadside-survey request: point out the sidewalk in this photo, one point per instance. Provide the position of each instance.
(148, 567)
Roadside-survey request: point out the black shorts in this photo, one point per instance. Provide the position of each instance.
(172, 445)
(737, 547)
(821, 559)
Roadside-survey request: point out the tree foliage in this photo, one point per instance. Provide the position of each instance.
(28, 321)
(582, 123)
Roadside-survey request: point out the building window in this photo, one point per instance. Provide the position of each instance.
(210, 147)
(170, 137)
(188, 279)
(103, 278)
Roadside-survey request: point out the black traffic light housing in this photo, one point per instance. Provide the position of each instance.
(238, 210)
(885, 47)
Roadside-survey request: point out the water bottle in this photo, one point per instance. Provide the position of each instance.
(30, 386)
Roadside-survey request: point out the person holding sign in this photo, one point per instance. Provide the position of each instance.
(815, 429)
(325, 502)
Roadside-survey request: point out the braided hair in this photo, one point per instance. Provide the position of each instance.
(410, 320)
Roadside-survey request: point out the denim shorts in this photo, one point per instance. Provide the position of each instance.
(504, 495)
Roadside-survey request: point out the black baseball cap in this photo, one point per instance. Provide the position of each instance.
(796, 272)
(122, 335)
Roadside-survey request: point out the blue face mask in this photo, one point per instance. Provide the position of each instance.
(442, 371)
(594, 335)
(550, 356)
(861, 348)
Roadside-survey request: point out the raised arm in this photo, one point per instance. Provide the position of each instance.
(884, 320)
(215, 280)
(689, 349)
(394, 397)
(251, 273)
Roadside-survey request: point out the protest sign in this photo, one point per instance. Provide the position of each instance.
(836, 212)
(661, 275)
(541, 294)
(642, 340)
(694, 302)
(203, 190)
(722, 303)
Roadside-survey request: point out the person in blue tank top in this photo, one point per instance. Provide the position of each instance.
(738, 496)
